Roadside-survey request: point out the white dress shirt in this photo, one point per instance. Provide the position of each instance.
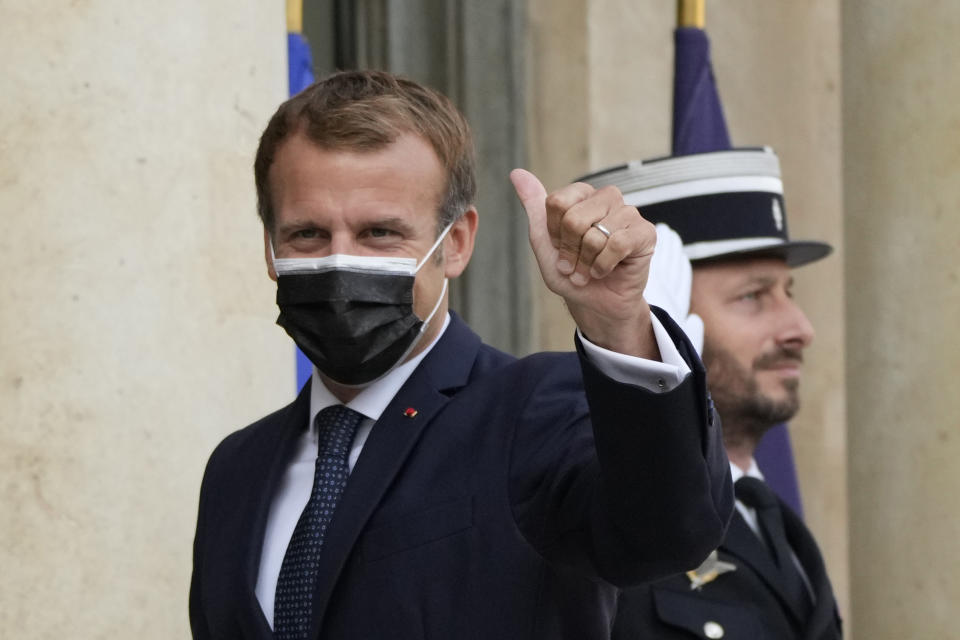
(297, 482)
(749, 513)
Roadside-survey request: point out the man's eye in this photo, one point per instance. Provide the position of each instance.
(306, 234)
(750, 296)
(378, 232)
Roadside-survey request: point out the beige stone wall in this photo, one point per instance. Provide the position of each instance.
(135, 314)
(778, 68)
(902, 185)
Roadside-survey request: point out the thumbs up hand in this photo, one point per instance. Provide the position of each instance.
(594, 251)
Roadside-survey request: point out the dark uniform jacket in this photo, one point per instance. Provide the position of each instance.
(745, 603)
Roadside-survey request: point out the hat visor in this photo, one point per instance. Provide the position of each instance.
(795, 253)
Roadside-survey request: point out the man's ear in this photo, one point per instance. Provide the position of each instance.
(268, 255)
(458, 245)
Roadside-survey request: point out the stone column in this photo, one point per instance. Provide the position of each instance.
(135, 312)
(902, 197)
(558, 74)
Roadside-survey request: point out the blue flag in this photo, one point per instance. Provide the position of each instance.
(300, 76)
(299, 63)
(699, 127)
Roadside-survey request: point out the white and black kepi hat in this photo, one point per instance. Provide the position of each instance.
(723, 204)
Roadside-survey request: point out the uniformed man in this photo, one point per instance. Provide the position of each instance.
(767, 579)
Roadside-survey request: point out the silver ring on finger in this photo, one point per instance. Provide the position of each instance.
(602, 229)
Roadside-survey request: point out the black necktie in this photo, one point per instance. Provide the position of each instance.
(292, 607)
(755, 493)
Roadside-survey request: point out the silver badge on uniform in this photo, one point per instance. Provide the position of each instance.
(709, 570)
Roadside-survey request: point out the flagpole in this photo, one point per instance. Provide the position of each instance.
(295, 16)
(691, 13)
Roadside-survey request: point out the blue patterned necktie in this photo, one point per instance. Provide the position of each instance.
(293, 605)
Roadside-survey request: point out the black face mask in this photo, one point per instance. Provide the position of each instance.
(351, 315)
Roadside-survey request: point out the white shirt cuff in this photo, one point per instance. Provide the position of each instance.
(648, 374)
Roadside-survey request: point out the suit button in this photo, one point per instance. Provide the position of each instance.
(712, 630)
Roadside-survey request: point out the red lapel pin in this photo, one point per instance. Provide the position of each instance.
(410, 412)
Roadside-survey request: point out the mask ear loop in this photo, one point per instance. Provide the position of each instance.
(432, 249)
(273, 256)
(435, 307)
(445, 281)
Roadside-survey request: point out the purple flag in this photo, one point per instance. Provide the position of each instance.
(698, 124)
(698, 127)
(300, 76)
(775, 458)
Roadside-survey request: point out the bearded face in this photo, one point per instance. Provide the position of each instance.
(747, 409)
(754, 337)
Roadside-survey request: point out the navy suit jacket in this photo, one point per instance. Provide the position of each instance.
(508, 507)
(747, 603)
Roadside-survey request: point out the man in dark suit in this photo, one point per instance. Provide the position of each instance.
(423, 484)
(725, 211)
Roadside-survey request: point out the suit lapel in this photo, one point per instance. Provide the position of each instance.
(276, 453)
(446, 368)
(742, 542)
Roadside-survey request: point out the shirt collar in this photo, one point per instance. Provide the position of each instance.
(753, 471)
(373, 399)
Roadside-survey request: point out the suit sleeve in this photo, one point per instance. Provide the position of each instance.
(631, 487)
(665, 495)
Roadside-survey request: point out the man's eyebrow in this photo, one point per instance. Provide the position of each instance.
(767, 280)
(360, 222)
(387, 222)
(298, 223)
(761, 280)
